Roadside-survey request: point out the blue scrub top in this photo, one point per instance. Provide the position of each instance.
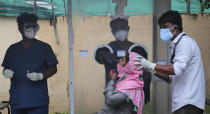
(25, 93)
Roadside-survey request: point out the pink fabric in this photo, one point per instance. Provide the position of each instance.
(129, 82)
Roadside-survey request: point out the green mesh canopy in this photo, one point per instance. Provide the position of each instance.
(44, 7)
(106, 7)
(134, 7)
(181, 6)
(89, 7)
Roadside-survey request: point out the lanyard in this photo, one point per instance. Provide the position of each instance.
(173, 55)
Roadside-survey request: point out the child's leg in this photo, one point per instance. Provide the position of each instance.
(114, 99)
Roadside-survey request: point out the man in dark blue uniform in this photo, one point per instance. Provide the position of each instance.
(28, 64)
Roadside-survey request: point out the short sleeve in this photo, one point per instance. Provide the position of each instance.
(50, 57)
(6, 60)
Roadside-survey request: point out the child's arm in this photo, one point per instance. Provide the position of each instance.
(112, 97)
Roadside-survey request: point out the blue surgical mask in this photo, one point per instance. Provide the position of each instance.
(166, 35)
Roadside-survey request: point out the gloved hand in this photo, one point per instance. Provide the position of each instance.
(35, 76)
(143, 63)
(8, 73)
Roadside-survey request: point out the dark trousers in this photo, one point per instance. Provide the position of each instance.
(34, 110)
(189, 109)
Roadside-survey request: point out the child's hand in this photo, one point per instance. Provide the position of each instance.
(112, 74)
(122, 61)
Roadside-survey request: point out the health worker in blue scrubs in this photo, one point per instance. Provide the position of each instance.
(28, 64)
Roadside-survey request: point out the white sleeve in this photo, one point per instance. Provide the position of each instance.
(183, 55)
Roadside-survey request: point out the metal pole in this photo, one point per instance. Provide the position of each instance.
(54, 22)
(161, 95)
(71, 41)
(64, 3)
(169, 50)
(109, 7)
(35, 7)
(188, 6)
(169, 87)
(119, 9)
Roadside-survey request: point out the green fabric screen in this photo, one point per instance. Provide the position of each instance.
(181, 6)
(16, 7)
(134, 7)
(105, 7)
(91, 7)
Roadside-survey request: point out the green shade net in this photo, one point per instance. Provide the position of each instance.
(44, 7)
(106, 7)
(134, 7)
(181, 6)
(90, 7)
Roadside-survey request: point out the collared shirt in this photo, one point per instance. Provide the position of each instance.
(38, 58)
(188, 83)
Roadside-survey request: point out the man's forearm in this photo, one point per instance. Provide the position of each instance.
(163, 72)
(50, 72)
(162, 76)
(165, 69)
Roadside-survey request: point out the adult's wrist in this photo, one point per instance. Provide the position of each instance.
(153, 66)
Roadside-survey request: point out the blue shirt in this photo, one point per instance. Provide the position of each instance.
(38, 58)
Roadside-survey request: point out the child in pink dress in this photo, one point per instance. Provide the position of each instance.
(130, 81)
(128, 87)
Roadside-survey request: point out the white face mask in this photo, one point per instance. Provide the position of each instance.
(30, 33)
(121, 35)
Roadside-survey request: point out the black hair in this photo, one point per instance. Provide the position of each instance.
(122, 23)
(25, 17)
(127, 58)
(173, 17)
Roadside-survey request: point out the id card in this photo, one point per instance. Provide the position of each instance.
(121, 53)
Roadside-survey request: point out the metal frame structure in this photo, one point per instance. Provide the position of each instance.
(71, 65)
(161, 55)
